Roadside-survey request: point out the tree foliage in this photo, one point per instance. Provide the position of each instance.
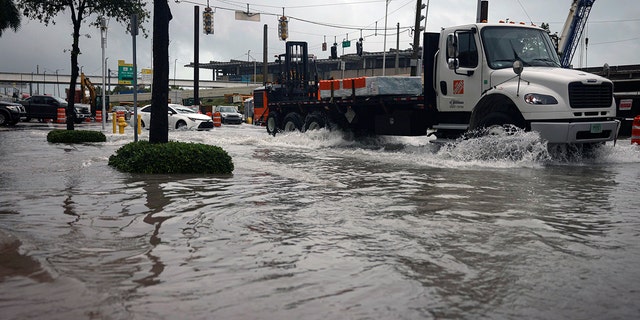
(46, 11)
(9, 16)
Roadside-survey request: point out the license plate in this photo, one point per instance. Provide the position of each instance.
(596, 128)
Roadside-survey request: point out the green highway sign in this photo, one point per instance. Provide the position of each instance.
(346, 43)
(125, 72)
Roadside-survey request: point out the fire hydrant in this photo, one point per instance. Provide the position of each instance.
(121, 125)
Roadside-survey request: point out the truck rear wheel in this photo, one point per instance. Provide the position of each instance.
(292, 122)
(314, 121)
(272, 123)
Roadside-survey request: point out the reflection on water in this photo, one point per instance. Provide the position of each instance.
(317, 226)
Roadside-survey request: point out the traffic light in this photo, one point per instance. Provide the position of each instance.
(359, 47)
(334, 51)
(283, 28)
(207, 21)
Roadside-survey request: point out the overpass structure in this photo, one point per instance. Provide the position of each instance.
(8, 79)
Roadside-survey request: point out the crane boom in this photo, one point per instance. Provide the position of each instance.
(572, 31)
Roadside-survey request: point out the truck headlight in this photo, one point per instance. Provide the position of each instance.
(535, 98)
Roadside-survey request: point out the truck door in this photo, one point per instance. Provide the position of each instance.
(459, 75)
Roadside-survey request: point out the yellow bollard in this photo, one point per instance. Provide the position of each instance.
(121, 124)
(113, 120)
(249, 120)
(139, 124)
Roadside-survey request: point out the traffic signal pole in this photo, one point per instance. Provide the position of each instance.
(196, 58)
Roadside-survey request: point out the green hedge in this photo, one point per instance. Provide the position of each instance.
(171, 157)
(75, 136)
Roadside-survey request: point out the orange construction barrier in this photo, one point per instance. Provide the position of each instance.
(98, 115)
(62, 116)
(217, 119)
(635, 131)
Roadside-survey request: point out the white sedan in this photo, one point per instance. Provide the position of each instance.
(180, 117)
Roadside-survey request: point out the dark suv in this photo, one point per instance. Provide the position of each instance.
(46, 107)
(10, 113)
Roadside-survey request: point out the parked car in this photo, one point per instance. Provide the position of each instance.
(180, 117)
(229, 114)
(128, 111)
(46, 107)
(10, 113)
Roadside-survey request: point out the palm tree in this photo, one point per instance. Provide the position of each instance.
(9, 16)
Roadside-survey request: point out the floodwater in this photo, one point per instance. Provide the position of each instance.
(321, 226)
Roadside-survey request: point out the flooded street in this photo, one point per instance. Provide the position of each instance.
(320, 226)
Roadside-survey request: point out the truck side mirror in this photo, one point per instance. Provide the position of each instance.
(518, 67)
(452, 51)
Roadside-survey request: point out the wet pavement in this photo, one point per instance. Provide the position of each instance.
(319, 226)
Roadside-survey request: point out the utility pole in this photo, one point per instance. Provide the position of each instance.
(397, 47)
(416, 38)
(384, 51)
(265, 66)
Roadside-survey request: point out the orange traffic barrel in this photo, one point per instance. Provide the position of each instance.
(62, 117)
(635, 131)
(98, 115)
(217, 119)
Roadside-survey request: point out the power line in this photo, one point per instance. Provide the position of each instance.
(241, 4)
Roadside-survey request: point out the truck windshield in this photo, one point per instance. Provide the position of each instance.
(503, 45)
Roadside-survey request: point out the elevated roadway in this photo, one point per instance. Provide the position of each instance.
(9, 79)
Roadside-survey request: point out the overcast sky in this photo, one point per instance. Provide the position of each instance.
(613, 31)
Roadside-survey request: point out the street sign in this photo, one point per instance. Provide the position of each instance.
(125, 72)
(147, 75)
(346, 43)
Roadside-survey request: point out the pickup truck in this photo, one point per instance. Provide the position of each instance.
(46, 107)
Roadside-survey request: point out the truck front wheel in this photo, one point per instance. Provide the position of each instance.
(496, 123)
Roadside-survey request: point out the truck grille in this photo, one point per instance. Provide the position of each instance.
(590, 96)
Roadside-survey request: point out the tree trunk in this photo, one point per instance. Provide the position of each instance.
(159, 132)
(71, 94)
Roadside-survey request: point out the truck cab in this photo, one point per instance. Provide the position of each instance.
(489, 75)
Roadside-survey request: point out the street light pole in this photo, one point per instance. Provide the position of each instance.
(175, 62)
(58, 82)
(103, 36)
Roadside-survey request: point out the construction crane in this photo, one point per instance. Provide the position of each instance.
(572, 31)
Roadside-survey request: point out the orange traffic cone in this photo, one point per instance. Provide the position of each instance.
(61, 116)
(217, 119)
(635, 131)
